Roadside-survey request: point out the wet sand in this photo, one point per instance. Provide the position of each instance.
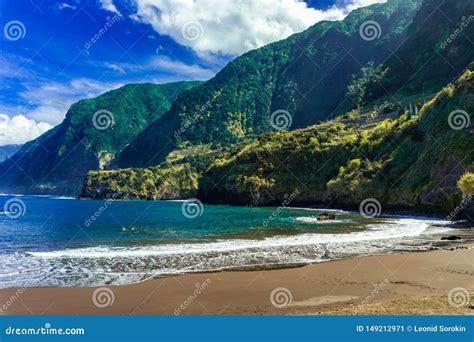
(403, 284)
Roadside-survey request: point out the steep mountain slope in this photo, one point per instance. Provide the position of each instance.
(306, 75)
(93, 132)
(403, 161)
(439, 45)
(7, 151)
(409, 161)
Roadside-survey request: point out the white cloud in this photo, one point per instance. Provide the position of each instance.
(234, 27)
(19, 129)
(350, 5)
(108, 5)
(64, 5)
(50, 101)
(163, 64)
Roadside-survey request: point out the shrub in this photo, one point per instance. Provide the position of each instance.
(466, 183)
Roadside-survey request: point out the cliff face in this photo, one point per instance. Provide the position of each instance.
(394, 136)
(93, 133)
(402, 160)
(293, 75)
(331, 68)
(408, 161)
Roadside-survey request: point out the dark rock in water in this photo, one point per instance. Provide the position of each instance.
(326, 216)
(451, 237)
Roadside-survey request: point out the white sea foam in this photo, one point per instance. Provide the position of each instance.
(319, 210)
(314, 220)
(385, 231)
(94, 266)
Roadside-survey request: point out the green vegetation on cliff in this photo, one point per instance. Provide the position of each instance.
(92, 134)
(318, 74)
(306, 74)
(402, 160)
(408, 161)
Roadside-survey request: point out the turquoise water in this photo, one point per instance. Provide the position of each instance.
(50, 241)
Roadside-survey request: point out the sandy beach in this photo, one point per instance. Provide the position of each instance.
(403, 284)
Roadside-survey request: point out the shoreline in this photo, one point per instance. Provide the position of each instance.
(405, 283)
(421, 212)
(451, 238)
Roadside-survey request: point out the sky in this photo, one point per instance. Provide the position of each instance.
(54, 53)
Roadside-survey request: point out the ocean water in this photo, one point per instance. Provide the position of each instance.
(54, 241)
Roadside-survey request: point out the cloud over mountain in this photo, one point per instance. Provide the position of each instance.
(234, 27)
(19, 129)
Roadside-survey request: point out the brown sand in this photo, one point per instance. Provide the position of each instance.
(411, 283)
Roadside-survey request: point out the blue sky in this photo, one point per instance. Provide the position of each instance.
(49, 58)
